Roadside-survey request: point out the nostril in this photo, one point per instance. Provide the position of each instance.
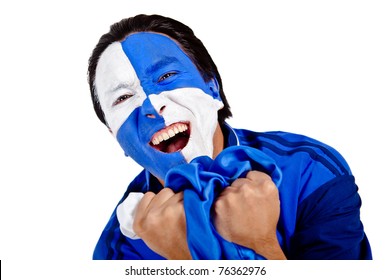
(162, 109)
(151, 116)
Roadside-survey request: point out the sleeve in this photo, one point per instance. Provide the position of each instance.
(328, 224)
(112, 245)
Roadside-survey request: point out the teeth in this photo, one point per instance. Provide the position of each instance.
(182, 127)
(167, 134)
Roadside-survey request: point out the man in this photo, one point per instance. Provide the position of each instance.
(208, 190)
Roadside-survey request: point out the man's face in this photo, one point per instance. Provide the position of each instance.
(156, 102)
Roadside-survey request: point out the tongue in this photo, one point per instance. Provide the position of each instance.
(177, 145)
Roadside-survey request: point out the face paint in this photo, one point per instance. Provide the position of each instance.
(115, 81)
(156, 102)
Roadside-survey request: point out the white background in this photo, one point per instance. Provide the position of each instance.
(319, 68)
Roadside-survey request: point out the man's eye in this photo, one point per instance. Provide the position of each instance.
(166, 76)
(121, 99)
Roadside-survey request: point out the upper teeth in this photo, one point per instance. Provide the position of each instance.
(168, 133)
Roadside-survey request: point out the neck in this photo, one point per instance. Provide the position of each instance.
(218, 141)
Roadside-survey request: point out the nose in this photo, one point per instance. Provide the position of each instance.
(153, 108)
(153, 116)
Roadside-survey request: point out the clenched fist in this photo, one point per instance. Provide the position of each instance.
(160, 222)
(247, 213)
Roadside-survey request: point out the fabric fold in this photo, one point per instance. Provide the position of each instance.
(201, 181)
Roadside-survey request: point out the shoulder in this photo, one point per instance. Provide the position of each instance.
(306, 163)
(291, 148)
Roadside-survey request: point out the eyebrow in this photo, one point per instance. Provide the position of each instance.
(120, 86)
(160, 64)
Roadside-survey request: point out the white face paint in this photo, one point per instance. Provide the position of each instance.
(156, 102)
(193, 106)
(115, 77)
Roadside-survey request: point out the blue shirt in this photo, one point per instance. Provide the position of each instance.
(320, 204)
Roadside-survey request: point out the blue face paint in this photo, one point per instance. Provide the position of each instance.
(154, 55)
(177, 113)
(136, 144)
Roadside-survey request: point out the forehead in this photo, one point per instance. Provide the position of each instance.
(113, 67)
(147, 51)
(140, 54)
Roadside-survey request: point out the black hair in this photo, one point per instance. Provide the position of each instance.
(176, 30)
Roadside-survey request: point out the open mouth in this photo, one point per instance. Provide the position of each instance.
(171, 139)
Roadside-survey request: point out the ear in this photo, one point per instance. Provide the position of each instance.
(214, 88)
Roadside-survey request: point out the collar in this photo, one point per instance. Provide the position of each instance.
(231, 138)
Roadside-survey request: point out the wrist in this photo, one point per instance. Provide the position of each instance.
(270, 249)
(179, 255)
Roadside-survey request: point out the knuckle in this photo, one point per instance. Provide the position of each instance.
(218, 204)
(148, 195)
(166, 191)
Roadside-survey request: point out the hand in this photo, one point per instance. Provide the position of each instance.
(160, 222)
(247, 213)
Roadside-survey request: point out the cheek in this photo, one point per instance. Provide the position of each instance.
(127, 135)
(135, 133)
(202, 107)
(117, 117)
